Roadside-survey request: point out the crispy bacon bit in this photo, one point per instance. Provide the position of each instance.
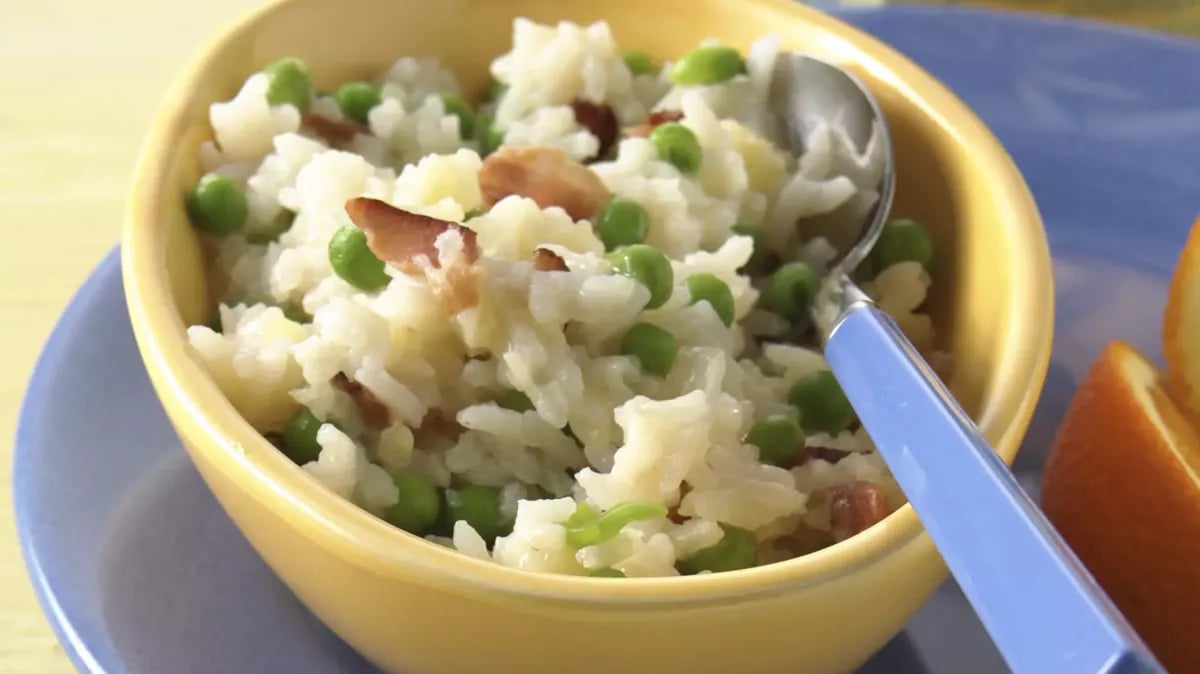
(546, 175)
(673, 511)
(653, 120)
(407, 240)
(855, 507)
(674, 516)
(336, 132)
(436, 431)
(548, 260)
(600, 120)
(401, 237)
(374, 413)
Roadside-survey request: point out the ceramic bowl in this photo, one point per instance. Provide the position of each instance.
(412, 606)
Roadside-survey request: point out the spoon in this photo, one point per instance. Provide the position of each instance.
(1042, 609)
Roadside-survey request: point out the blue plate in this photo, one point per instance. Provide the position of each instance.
(140, 571)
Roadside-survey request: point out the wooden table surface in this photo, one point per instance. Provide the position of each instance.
(81, 80)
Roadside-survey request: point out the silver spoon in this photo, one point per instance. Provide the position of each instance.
(1041, 607)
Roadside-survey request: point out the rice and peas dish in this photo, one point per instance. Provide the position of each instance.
(565, 330)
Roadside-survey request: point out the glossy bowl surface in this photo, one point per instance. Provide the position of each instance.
(415, 607)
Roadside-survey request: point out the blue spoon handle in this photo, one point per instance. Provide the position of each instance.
(1041, 607)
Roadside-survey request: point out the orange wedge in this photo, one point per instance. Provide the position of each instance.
(1122, 485)
(1181, 328)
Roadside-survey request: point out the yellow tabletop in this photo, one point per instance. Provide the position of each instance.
(80, 81)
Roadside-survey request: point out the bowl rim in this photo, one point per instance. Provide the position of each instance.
(230, 444)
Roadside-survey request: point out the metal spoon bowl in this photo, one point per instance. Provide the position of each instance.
(1040, 606)
(805, 90)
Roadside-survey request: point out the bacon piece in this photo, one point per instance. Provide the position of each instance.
(546, 175)
(436, 427)
(673, 511)
(674, 516)
(653, 120)
(401, 237)
(855, 507)
(407, 240)
(548, 260)
(600, 120)
(335, 131)
(373, 412)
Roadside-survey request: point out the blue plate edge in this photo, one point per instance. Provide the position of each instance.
(36, 396)
(1072, 21)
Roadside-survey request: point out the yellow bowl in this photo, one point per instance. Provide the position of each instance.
(412, 606)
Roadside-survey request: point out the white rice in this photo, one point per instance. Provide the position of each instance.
(676, 441)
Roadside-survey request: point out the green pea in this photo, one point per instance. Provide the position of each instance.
(419, 505)
(678, 145)
(737, 549)
(822, 404)
(217, 206)
(288, 82)
(466, 116)
(778, 439)
(790, 290)
(622, 222)
(646, 265)
(585, 527)
(606, 572)
(654, 348)
(514, 400)
(707, 64)
(490, 138)
(354, 262)
(478, 506)
(639, 62)
(902, 240)
(282, 223)
(709, 288)
(493, 138)
(356, 99)
(761, 255)
(300, 436)
(496, 89)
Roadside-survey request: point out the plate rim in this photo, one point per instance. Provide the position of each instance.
(74, 642)
(1012, 14)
